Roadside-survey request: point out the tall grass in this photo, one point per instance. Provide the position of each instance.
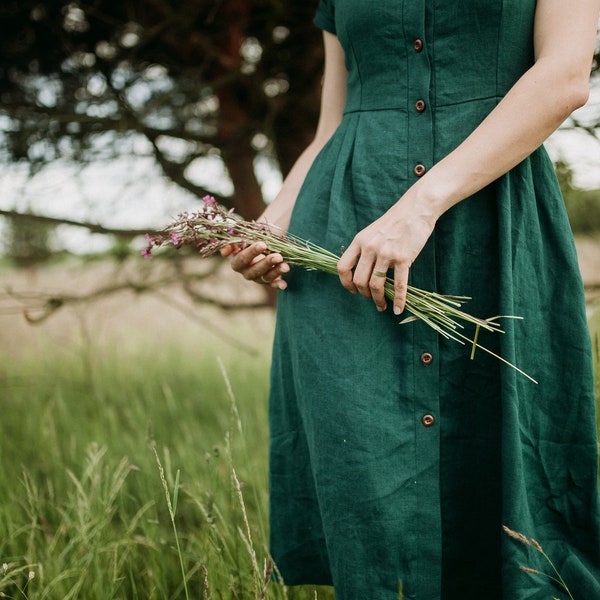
(90, 456)
(139, 473)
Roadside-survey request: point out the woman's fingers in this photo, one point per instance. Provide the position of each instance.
(377, 286)
(400, 287)
(346, 265)
(363, 273)
(254, 265)
(229, 250)
(271, 268)
(244, 259)
(392, 242)
(366, 273)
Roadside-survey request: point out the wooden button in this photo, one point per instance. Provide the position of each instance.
(426, 358)
(420, 105)
(419, 170)
(418, 45)
(428, 420)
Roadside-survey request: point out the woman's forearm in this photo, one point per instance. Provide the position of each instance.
(556, 85)
(533, 109)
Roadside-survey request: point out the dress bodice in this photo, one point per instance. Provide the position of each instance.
(455, 51)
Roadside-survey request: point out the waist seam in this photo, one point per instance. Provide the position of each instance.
(404, 108)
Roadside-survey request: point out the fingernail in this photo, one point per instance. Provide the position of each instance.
(397, 310)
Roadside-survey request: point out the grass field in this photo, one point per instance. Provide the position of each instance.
(92, 401)
(104, 415)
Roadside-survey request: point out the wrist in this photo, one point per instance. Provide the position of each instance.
(428, 201)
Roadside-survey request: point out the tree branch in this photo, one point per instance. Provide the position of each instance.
(119, 122)
(38, 306)
(174, 172)
(93, 227)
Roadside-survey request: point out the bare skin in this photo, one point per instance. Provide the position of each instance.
(556, 85)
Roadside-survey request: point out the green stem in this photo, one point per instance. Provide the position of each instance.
(441, 313)
(172, 516)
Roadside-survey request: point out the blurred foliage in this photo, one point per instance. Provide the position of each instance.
(28, 244)
(186, 80)
(583, 206)
(93, 80)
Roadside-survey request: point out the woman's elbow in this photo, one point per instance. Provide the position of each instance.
(573, 93)
(578, 91)
(567, 84)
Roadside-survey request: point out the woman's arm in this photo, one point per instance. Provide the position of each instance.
(536, 105)
(251, 262)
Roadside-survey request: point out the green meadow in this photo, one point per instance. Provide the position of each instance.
(133, 464)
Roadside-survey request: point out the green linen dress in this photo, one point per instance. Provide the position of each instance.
(394, 458)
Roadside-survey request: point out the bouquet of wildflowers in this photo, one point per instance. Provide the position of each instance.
(213, 227)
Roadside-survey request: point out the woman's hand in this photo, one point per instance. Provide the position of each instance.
(255, 265)
(391, 242)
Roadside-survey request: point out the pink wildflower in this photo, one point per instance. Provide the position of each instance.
(177, 241)
(146, 253)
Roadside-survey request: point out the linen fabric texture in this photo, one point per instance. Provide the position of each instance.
(366, 494)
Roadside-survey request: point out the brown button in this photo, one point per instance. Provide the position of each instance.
(426, 358)
(428, 420)
(420, 105)
(418, 45)
(419, 170)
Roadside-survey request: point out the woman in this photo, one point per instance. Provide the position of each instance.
(395, 460)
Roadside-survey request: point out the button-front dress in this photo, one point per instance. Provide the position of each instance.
(395, 459)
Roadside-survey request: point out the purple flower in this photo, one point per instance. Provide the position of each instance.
(177, 241)
(146, 253)
(149, 239)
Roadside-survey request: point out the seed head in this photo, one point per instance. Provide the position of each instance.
(530, 570)
(516, 535)
(537, 546)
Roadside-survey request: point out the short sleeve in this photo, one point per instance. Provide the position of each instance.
(325, 16)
